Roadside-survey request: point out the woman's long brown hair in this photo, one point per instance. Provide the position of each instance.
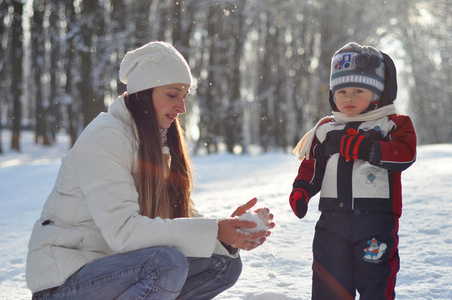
(160, 196)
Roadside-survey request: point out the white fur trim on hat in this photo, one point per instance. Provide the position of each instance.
(152, 65)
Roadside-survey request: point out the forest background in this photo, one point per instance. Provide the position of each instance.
(261, 67)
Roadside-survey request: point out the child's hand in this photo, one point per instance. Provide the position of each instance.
(355, 145)
(299, 202)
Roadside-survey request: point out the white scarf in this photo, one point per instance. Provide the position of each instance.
(304, 145)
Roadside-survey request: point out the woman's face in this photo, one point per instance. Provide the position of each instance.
(169, 102)
(353, 100)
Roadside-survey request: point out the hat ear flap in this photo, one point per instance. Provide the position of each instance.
(331, 99)
(390, 91)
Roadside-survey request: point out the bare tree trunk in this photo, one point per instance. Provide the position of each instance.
(37, 58)
(72, 106)
(119, 13)
(265, 84)
(91, 106)
(142, 24)
(53, 109)
(3, 67)
(280, 99)
(16, 83)
(210, 100)
(234, 109)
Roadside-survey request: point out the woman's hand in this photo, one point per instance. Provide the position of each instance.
(228, 229)
(244, 208)
(247, 206)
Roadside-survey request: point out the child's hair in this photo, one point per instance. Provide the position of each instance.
(159, 196)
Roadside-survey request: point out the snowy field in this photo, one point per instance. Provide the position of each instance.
(281, 268)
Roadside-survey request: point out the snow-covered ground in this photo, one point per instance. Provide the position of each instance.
(281, 268)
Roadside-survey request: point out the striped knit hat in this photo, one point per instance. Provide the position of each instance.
(355, 65)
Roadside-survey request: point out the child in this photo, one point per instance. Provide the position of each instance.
(355, 159)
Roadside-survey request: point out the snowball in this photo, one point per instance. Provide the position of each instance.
(261, 218)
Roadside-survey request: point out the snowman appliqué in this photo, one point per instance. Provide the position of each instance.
(374, 251)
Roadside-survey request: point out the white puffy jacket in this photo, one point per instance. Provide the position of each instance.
(93, 209)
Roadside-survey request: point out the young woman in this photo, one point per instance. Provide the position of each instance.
(119, 223)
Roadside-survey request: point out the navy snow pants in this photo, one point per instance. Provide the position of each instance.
(355, 250)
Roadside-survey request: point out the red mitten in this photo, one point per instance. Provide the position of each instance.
(354, 146)
(299, 202)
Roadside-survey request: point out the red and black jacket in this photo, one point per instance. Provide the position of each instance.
(365, 185)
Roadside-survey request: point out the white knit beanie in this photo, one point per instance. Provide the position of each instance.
(152, 65)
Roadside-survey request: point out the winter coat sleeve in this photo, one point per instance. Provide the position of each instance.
(310, 172)
(104, 171)
(398, 151)
(220, 247)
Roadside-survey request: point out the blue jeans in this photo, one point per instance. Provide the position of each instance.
(152, 273)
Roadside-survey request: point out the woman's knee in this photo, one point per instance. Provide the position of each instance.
(170, 269)
(173, 257)
(234, 269)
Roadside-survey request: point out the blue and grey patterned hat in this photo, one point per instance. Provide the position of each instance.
(358, 66)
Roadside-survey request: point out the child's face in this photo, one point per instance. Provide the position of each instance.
(353, 100)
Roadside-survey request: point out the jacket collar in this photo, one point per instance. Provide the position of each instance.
(119, 110)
